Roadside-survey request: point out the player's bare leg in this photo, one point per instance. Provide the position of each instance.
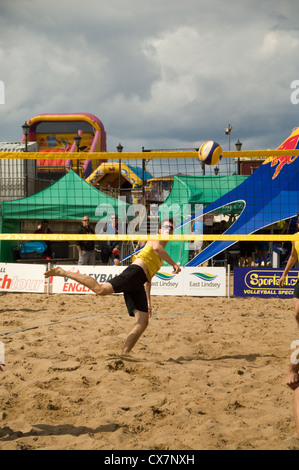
(292, 379)
(296, 408)
(137, 330)
(87, 281)
(296, 309)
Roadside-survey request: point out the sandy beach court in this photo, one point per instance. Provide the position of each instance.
(209, 373)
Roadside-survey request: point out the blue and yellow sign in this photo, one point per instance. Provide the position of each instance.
(263, 282)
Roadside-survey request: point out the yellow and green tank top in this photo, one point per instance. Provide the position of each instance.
(151, 259)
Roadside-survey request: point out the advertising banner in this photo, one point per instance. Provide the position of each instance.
(190, 281)
(263, 282)
(166, 283)
(205, 282)
(64, 285)
(22, 278)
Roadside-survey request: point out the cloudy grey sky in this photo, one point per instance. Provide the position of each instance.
(157, 73)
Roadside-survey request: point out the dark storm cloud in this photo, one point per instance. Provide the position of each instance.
(168, 73)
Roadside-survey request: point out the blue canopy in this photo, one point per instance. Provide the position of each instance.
(270, 194)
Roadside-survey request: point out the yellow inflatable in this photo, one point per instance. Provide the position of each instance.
(107, 175)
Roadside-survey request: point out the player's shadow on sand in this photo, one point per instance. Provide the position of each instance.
(5, 310)
(180, 360)
(45, 430)
(248, 357)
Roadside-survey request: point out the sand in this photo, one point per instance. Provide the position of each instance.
(208, 374)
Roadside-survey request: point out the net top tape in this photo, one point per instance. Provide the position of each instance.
(247, 154)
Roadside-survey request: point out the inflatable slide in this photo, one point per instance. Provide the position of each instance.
(56, 132)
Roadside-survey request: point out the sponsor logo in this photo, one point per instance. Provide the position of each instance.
(206, 280)
(205, 276)
(164, 280)
(280, 162)
(164, 276)
(268, 280)
(73, 286)
(263, 282)
(16, 283)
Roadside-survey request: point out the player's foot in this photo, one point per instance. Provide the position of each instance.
(292, 379)
(58, 271)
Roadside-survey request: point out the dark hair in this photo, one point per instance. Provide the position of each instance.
(170, 220)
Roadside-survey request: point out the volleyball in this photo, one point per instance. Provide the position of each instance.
(210, 153)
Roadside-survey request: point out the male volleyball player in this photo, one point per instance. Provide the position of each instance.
(292, 379)
(134, 282)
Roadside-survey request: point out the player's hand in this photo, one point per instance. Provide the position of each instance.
(176, 269)
(293, 380)
(281, 281)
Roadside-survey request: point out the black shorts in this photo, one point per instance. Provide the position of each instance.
(131, 282)
(107, 253)
(246, 249)
(296, 290)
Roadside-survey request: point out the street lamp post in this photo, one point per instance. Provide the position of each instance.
(228, 132)
(26, 128)
(144, 163)
(77, 139)
(119, 149)
(238, 148)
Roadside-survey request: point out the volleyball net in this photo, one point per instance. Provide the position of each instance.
(207, 202)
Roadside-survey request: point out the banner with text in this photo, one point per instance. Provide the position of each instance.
(190, 281)
(22, 278)
(200, 282)
(205, 282)
(263, 282)
(65, 285)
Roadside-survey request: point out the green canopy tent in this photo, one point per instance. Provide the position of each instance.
(189, 191)
(202, 190)
(69, 198)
